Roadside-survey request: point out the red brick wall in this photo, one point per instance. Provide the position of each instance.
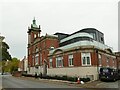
(77, 58)
(54, 62)
(44, 45)
(65, 60)
(110, 63)
(52, 42)
(30, 60)
(32, 35)
(103, 60)
(94, 58)
(118, 61)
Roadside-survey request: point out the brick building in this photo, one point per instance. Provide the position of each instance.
(78, 54)
(23, 64)
(81, 54)
(38, 49)
(118, 59)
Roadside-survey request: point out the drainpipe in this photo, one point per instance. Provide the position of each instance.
(117, 58)
(97, 63)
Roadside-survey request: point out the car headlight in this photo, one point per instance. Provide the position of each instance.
(111, 73)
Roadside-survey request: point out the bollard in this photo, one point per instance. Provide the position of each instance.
(78, 80)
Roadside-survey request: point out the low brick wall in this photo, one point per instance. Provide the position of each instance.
(17, 74)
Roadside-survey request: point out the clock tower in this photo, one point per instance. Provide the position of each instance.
(33, 32)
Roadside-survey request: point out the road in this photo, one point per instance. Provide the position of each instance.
(13, 82)
(108, 84)
(9, 81)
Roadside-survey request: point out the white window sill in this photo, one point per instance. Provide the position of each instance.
(86, 65)
(71, 65)
(59, 66)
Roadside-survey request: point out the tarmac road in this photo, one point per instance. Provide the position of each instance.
(13, 82)
(9, 81)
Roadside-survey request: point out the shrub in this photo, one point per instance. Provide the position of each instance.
(73, 79)
(85, 79)
(27, 75)
(67, 78)
(64, 77)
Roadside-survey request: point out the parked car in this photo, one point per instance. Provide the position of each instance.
(107, 73)
(119, 74)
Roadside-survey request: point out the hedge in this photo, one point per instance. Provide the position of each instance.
(66, 78)
(28, 75)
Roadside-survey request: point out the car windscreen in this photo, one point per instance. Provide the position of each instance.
(106, 70)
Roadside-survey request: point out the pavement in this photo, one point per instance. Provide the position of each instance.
(0, 82)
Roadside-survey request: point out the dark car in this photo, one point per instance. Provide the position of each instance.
(110, 74)
(119, 74)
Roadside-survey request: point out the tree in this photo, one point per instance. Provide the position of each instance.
(5, 54)
(11, 66)
(14, 64)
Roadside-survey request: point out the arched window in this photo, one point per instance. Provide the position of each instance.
(36, 50)
(52, 47)
(50, 62)
(100, 59)
(36, 59)
(35, 35)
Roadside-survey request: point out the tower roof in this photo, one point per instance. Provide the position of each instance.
(33, 25)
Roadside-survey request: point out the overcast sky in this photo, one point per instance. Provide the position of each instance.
(66, 16)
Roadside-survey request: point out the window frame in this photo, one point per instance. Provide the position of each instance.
(33, 62)
(50, 63)
(100, 59)
(37, 59)
(71, 60)
(59, 58)
(114, 63)
(85, 55)
(107, 61)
